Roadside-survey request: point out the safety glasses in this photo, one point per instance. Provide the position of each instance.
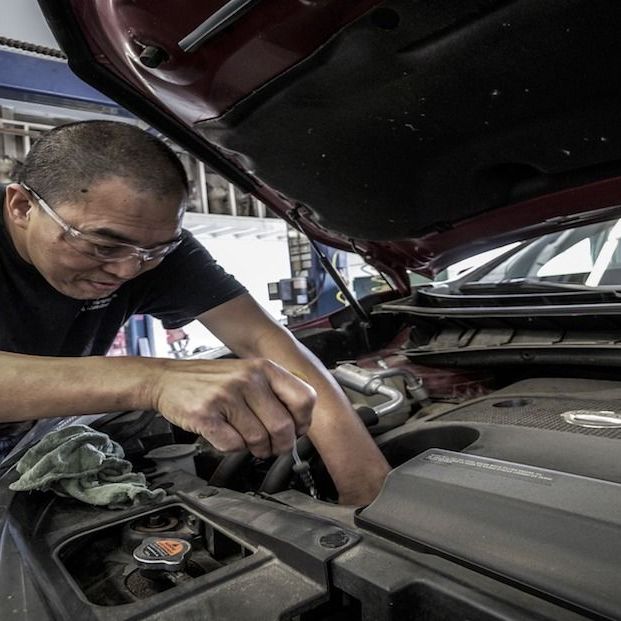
(98, 247)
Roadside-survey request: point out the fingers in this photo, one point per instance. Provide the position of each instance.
(278, 407)
(295, 395)
(253, 404)
(241, 431)
(221, 434)
(282, 421)
(257, 438)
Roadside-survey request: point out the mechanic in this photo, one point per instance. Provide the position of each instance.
(92, 235)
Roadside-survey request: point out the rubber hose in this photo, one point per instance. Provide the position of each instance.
(278, 476)
(367, 415)
(228, 468)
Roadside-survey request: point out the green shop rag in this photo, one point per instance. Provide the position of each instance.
(77, 461)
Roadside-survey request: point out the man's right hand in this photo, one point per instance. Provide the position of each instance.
(235, 404)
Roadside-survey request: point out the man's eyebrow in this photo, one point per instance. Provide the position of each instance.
(114, 235)
(103, 232)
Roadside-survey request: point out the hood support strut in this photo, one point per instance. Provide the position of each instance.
(340, 283)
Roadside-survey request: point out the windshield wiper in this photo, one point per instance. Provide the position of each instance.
(521, 284)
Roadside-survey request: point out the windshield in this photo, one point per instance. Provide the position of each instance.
(585, 257)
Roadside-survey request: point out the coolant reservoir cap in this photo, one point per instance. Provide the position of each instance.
(163, 553)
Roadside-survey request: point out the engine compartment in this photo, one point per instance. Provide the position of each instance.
(246, 541)
(503, 503)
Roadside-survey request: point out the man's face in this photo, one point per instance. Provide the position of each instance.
(111, 209)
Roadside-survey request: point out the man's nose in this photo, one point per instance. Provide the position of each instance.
(125, 269)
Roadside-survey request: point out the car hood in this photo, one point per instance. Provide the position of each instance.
(415, 133)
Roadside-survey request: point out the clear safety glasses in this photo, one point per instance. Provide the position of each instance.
(98, 247)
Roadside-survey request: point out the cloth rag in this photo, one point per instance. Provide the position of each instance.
(79, 462)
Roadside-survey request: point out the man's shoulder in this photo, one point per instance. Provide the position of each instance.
(189, 248)
(188, 259)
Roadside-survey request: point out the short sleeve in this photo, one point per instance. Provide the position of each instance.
(187, 283)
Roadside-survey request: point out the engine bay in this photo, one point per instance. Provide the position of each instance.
(503, 503)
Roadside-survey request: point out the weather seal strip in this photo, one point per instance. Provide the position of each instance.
(222, 18)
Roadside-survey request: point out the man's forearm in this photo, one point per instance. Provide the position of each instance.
(235, 404)
(352, 458)
(39, 386)
(356, 465)
(354, 461)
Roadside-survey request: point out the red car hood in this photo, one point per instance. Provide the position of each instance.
(415, 133)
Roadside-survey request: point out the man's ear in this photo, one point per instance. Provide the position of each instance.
(18, 207)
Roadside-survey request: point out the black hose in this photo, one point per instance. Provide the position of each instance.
(367, 415)
(228, 468)
(278, 476)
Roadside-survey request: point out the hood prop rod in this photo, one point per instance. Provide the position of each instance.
(340, 283)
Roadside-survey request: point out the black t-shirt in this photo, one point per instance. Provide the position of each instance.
(36, 319)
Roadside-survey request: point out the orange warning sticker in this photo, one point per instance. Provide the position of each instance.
(170, 546)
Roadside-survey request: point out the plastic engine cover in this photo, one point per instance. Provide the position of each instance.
(554, 532)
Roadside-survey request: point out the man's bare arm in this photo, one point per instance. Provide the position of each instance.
(229, 402)
(256, 402)
(355, 463)
(42, 386)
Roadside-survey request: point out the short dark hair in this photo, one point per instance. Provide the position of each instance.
(68, 159)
